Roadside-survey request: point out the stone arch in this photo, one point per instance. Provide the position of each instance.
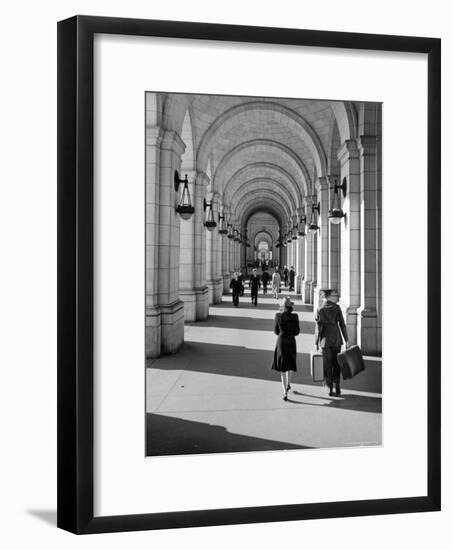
(188, 156)
(334, 143)
(263, 184)
(263, 200)
(267, 111)
(174, 112)
(264, 170)
(286, 153)
(345, 115)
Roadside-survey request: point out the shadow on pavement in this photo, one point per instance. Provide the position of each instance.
(246, 323)
(362, 403)
(166, 435)
(239, 361)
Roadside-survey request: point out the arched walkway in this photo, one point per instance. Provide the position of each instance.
(237, 184)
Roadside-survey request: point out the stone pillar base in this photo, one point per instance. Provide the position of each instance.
(196, 303)
(215, 289)
(152, 333)
(226, 281)
(298, 284)
(351, 321)
(307, 291)
(172, 327)
(164, 329)
(316, 297)
(368, 332)
(189, 298)
(202, 303)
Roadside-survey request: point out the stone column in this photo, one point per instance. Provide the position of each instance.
(154, 137)
(309, 264)
(231, 256)
(171, 307)
(200, 286)
(213, 258)
(225, 263)
(335, 242)
(368, 337)
(323, 236)
(348, 156)
(300, 265)
(193, 288)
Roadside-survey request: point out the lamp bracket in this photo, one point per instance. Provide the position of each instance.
(316, 207)
(342, 187)
(178, 180)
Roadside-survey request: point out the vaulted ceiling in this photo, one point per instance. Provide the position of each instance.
(261, 154)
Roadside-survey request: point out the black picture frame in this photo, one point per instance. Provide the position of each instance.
(75, 273)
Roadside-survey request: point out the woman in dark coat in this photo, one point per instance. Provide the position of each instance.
(330, 334)
(287, 327)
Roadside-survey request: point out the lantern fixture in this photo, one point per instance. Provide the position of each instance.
(236, 235)
(210, 223)
(336, 213)
(313, 227)
(223, 230)
(230, 231)
(302, 226)
(185, 208)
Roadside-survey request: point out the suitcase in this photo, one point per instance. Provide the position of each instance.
(316, 366)
(351, 362)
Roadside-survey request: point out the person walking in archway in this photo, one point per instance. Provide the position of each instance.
(276, 283)
(254, 284)
(292, 278)
(242, 282)
(265, 278)
(286, 275)
(287, 326)
(236, 286)
(331, 331)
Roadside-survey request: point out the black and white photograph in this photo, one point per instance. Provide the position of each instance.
(225, 256)
(263, 273)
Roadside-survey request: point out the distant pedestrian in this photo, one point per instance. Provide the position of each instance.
(265, 279)
(285, 275)
(276, 283)
(236, 286)
(242, 282)
(292, 278)
(330, 331)
(287, 326)
(254, 284)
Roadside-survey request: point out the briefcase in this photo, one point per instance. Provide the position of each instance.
(316, 366)
(351, 362)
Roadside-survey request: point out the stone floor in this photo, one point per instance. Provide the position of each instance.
(219, 394)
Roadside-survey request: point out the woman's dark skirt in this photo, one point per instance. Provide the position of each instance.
(285, 356)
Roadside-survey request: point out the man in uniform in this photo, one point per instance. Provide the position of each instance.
(330, 333)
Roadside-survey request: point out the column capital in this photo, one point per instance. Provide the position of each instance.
(332, 178)
(347, 151)
(154, 135)
(202, 179)
(367, 145)
(321, 183)
(173, 142)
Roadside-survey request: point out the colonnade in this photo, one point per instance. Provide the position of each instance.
(189, 267)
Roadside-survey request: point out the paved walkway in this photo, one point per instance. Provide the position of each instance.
(219, 394)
